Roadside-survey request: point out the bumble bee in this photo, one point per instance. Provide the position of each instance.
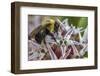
(46, 28)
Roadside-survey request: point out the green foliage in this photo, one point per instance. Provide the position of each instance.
(86, 54)
(76, 21)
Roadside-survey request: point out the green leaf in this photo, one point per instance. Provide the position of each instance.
(86, 54)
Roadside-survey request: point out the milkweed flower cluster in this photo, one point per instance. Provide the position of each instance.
(67, 42)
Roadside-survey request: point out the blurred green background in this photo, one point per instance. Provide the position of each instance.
(76, 21)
